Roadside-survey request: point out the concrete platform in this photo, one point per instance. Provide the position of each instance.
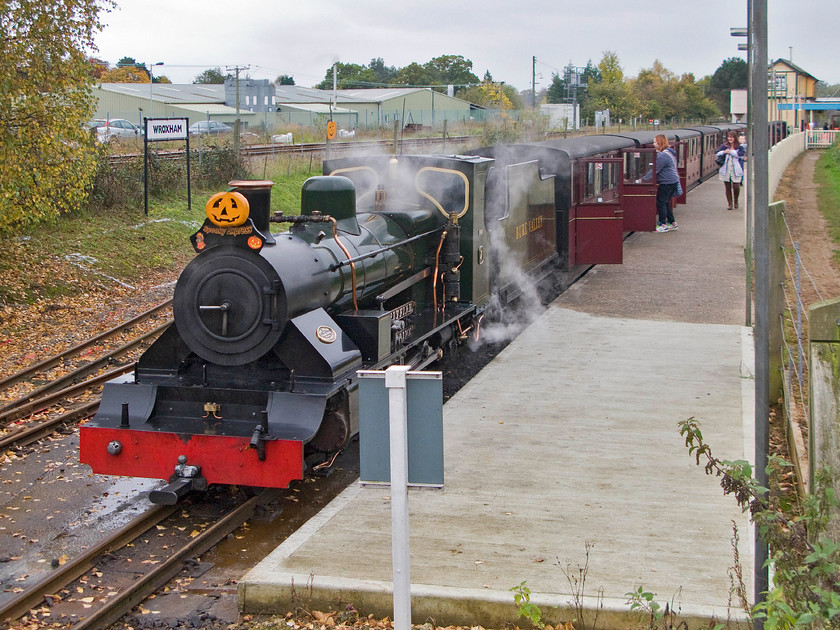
(564, 467)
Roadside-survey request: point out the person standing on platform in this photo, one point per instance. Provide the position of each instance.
(668, 178)
(731, 173)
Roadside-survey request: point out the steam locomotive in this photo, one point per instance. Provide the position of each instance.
(392, 260)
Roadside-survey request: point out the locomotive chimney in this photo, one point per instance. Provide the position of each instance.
(258, 194)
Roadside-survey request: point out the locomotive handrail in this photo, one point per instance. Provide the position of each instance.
(353, 169)
(386, 248)
(434, 201)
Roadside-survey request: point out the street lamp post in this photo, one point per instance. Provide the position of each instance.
(151, 84)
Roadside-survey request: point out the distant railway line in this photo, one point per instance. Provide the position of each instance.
(336, 148)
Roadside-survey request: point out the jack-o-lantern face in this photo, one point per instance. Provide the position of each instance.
(227, 209)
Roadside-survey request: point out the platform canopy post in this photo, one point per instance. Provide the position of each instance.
(395, 383)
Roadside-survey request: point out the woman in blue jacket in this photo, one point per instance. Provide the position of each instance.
(731, 172)
(667, 177)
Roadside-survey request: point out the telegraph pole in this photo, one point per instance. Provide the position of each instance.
(534, 82)
(761, 201)
(236, 125)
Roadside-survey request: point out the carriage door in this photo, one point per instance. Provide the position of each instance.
(638, 195)
(692, 160)
(599, 218)
(681, 149)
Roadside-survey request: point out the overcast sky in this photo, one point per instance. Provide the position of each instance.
(303, 38)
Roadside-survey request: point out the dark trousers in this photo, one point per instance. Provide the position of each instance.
(664, 192)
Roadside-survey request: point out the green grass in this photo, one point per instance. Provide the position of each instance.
(827, 175)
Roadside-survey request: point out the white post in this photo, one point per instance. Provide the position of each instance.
(395, 383)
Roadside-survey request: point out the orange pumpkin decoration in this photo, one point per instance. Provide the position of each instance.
(227, 209)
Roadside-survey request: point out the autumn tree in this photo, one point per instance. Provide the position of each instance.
(698, 105)
(131, 62)
(125, 74)
(47, 161)
(98, 67)
(665, 96)
(611, 92)
(492, 94)
(610, 68)
(129, 71)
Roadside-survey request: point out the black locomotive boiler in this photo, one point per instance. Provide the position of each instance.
(391, 260)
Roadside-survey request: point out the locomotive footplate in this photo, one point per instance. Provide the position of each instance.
(426, 325)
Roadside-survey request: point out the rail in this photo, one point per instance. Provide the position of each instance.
(59, 358)
(64, 575)
(125, 597)
(71, 384)
(260, 150)
(124, 601)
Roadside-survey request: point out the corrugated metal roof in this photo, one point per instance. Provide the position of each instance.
(316, 108)
(170, 92)
(300, 94)
(214, 109)
(380, 94)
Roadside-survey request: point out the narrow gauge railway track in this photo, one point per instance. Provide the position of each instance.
(70, 384)
(126, 587)
(338, 148)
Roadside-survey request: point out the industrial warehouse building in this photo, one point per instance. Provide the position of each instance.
(266, 106)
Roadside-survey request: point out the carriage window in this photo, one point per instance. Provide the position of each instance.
(680, 148)
(600, 181)
(593, 183)
(614, 175)
(637, 164)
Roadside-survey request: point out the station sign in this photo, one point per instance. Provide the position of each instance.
(158, 129)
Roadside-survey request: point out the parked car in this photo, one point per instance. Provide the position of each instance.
(117, 128)
(211, 127)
